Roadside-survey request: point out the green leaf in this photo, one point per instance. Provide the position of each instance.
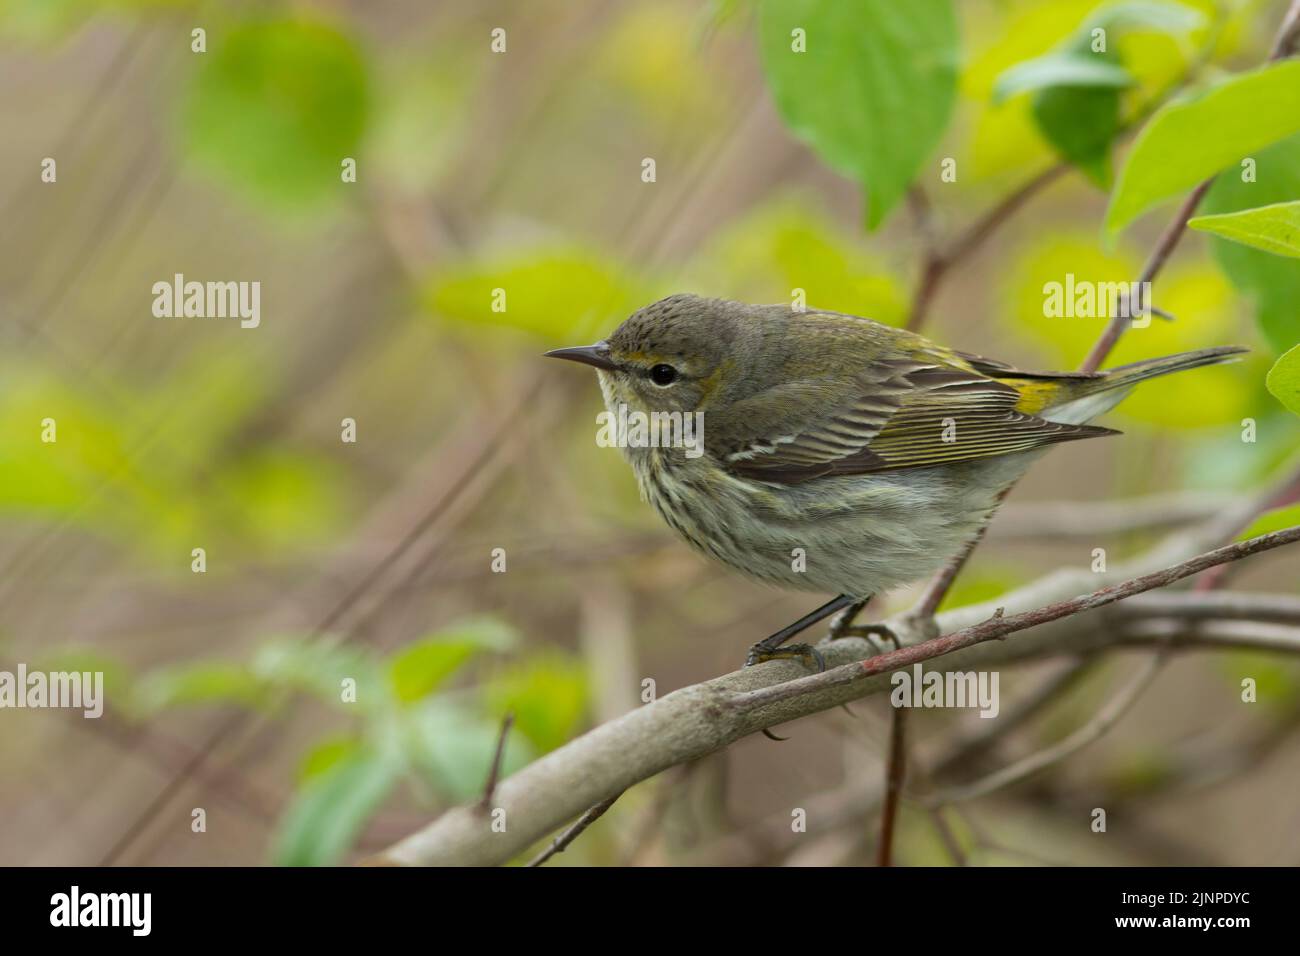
(547, 695)
(319, 667)
(1272, 282)
(1062, 68)
(420, 668)
(1189, 141)
(1077, 104)
(560, 294)
(453, 746)
(789, 243)
(326, 754)
(330, 809)
(117, 687)
(874, 90)
(1277, 681)
(288, 500)
(1284, 379)
(1274, 228)
(984, 584)
(1170, 18)
(276, 106)
(1288, 516)
(1081, 123)
(206, 682)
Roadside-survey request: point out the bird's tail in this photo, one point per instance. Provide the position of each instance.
(1123, 376)
(1086, 398)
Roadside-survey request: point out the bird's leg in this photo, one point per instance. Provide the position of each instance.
(843, 625)
(770, 649)
(846, 617)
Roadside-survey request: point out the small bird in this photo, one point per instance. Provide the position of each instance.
(839, 455)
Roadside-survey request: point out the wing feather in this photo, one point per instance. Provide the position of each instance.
(906, 415)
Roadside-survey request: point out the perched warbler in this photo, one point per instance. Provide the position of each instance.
(839, 455)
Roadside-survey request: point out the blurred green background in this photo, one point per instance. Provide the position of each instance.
(374, 559)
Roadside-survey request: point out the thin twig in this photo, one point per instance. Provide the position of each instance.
(938, 261)
(494, 772)
(1155, 262)
(976, 745)
(561, 842)
(894, 776)
(1093, 730)
(949, 839)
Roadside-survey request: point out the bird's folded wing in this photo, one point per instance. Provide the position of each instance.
(904, 415)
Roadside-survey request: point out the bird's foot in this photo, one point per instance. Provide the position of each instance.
(761, 652)
(867, 632)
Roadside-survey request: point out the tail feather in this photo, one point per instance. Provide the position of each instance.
(1086, 398)
(1122, 376)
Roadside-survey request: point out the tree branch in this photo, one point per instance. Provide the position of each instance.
(702, 718)
(1000, 625)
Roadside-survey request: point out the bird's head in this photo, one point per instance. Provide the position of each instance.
(678, 354)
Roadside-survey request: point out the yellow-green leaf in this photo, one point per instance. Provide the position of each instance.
(1274, 228)
(1271, 282)
(204, 682)
(547, 695)
(1189, 141)
(1284, 379)
(1060, 68)
(1288, 516)
(420, 668)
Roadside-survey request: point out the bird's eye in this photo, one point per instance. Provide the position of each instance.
(663, 375)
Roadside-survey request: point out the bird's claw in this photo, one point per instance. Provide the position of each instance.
(867, 632)
(809, 655)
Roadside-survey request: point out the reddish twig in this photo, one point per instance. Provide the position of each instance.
(938, 261)
(894, 776)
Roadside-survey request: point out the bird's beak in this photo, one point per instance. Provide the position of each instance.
(596, 355)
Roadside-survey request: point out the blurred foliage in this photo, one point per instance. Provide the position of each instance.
(643, 55)
(409, 725)
(1277, 680)
(332, 808)
(421, 667)
(48, 21)
(426, 109)
(984, 581)
(1284, 379)
(1005, 141)
(275, 106)
(785, 245)
(1287, 516)
(558, 294)
(101, 476)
